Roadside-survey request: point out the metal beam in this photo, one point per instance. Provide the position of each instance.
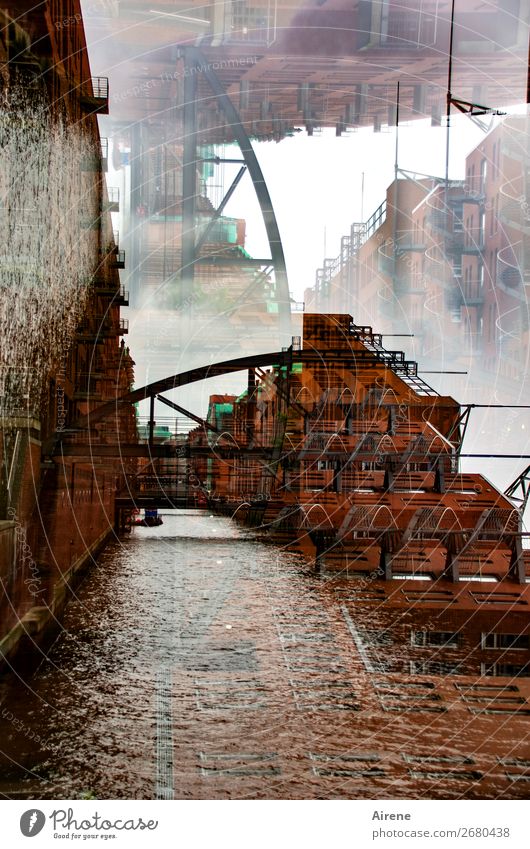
(218, 212)
(151, 420)
(189, 178)
(187, 413)
(235, 259)
(519, 490)
(116, 451)
(219, 160)
(197, 58)
(462, 420)
(454, 552)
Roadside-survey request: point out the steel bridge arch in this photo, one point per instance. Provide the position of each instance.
(184, 378)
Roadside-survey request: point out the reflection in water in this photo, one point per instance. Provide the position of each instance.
(199, 661)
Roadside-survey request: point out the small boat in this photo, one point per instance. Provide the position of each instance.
(151, 519)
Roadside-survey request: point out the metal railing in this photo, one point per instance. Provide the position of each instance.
(376, 220)
(515, 212)
(360, 232)
(100, 87)
(113, 194)
(407, 370)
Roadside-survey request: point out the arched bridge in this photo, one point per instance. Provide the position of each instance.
(354, 359)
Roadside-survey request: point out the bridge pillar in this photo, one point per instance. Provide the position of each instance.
(251, 403)
(152, 420)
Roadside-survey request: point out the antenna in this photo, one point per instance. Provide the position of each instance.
(362, 196)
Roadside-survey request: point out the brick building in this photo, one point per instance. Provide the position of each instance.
(360, 464)
(449, 266)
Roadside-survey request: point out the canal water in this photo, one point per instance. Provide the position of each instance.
(198, 660)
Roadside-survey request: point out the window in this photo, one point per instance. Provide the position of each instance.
(505, 641)
(496, 217)
(508, 670)
(458, 224)
(447, 639)
(431, 759)
(498, 598)
(493, 319)
(416, 576)
(481, 229)
(483, 176)
(439, 775)
(420, 667)
(375, 638)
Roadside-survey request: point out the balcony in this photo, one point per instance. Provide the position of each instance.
(96, 328)
(440, 271)
(119, 295)
(104, 143)
(438, 219)
(450, 229)
(95, 96)
(473, 244)
(469, 195)
(112, 203)
(118, 260)
(409, 241)
(103, 286)
(473, 294)
(454, 299)
(87, 388)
